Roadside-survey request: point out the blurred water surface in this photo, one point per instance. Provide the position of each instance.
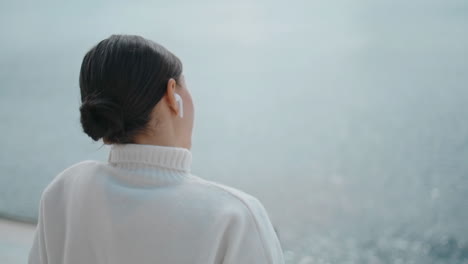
(347, 119)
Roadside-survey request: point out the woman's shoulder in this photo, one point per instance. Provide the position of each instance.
(65, 178)
(247, 202)
(250, 224)
(236, 193)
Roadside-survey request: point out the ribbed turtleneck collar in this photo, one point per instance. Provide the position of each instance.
(168, 157)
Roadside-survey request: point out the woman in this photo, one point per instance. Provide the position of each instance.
(143, 205)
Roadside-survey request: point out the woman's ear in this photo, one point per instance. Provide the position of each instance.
(170, 95)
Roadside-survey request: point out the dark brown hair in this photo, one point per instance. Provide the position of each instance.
(121, 79)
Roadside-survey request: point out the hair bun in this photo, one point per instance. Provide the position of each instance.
(101, 118)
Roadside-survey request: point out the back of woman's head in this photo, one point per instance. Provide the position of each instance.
(122, 78)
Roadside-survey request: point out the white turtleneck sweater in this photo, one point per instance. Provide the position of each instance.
(144, 206)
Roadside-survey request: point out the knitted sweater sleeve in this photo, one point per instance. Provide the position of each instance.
(38, 253)
(251, 237)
